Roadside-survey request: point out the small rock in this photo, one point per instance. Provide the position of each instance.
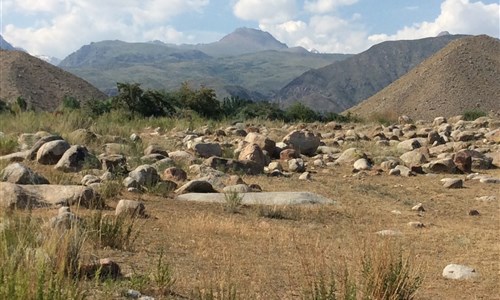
(473, 212)
(395, 212)
(486, 198)
(459, 272)
(416, 224)
(419, 207)
(489, 180)
(305, 176)
(389, 232)
(453, 183)
(130, 208)
(296, 165)
(362, 164)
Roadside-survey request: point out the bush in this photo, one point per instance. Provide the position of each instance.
(116, 232)
(300, 112)
(202, 101)
(472, 115)
(7, 145)
(232, 202)
(70, 103)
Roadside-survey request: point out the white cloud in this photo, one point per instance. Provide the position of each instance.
(457, 17)
(265, 11)
(325, 6)
(62, 26)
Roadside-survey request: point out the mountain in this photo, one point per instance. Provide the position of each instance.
(242, 41)
(245, 63)
(41, 84)
(464, 75)
(4, 45)
(50, 59)
(343, 84)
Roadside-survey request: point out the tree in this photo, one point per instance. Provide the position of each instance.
(203, 101)
(300, 112)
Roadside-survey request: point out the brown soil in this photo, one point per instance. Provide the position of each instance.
(463, 76)
(41, 84)
(274, 258)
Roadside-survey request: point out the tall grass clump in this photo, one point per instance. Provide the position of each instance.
(35, 264)
(7, 145)
(383, 273)
(232, 201)
(115, 232)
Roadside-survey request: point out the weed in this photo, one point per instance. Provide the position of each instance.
(116, 232)
(163, 277)
(278, 212)
(232, 201)
(7, 145)
(220, 292)
(110, 189)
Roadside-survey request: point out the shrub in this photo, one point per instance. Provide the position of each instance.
(7, 145)
(300, 112)
(232, 201)
(471, 115)
(70, 103)
(163, 276)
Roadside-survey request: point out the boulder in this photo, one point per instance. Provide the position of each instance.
(145, 175)
(453, 183)
(413, 158)
(29, 196)
(350, 155)
(287, 154)
(175, 174)
(261, 140)
(50, 152)
(82, 136)
(20, 174)
(155, 149)
(34, 150)
(76, 158)
(410, 144)
(261, 198)
(445, 165)
(253, 153)
(362, 164)
(130, 208)
(16, 156)
(304, 142)
(196, 186)
(463, 161)
(296, 165)
(114, 163)
(207, 149)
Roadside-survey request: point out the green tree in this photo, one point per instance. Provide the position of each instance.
(70, 102)
(300, 112)
(203, 101)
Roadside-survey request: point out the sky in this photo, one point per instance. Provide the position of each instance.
(59, 27)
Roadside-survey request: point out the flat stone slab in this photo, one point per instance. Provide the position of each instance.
(263, 198)
(23, 196)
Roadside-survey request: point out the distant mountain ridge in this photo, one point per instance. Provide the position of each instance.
(343, 84)
(463, 76)
(245, 63)
(4, 45)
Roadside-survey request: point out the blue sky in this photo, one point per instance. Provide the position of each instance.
(60, 27)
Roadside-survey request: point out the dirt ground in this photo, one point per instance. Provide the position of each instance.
(271, 258)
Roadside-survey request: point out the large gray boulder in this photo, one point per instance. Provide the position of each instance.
(304, 142)
(264, 142)
(208, 149)
(51, 152)
(261, 198)
(253, 153)
(19, 174)
(76, 158)
(196, 186)
(145, 175)
(30, 196)
(34, 150)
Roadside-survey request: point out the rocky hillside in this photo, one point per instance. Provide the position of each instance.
(41, 84)
(465, 75)
(344, 84)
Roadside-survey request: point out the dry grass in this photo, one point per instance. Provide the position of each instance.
(279, 252)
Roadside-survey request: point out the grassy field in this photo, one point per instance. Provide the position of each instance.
(204, 251)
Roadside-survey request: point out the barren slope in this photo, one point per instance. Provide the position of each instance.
(465, 75)
(40, 83)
